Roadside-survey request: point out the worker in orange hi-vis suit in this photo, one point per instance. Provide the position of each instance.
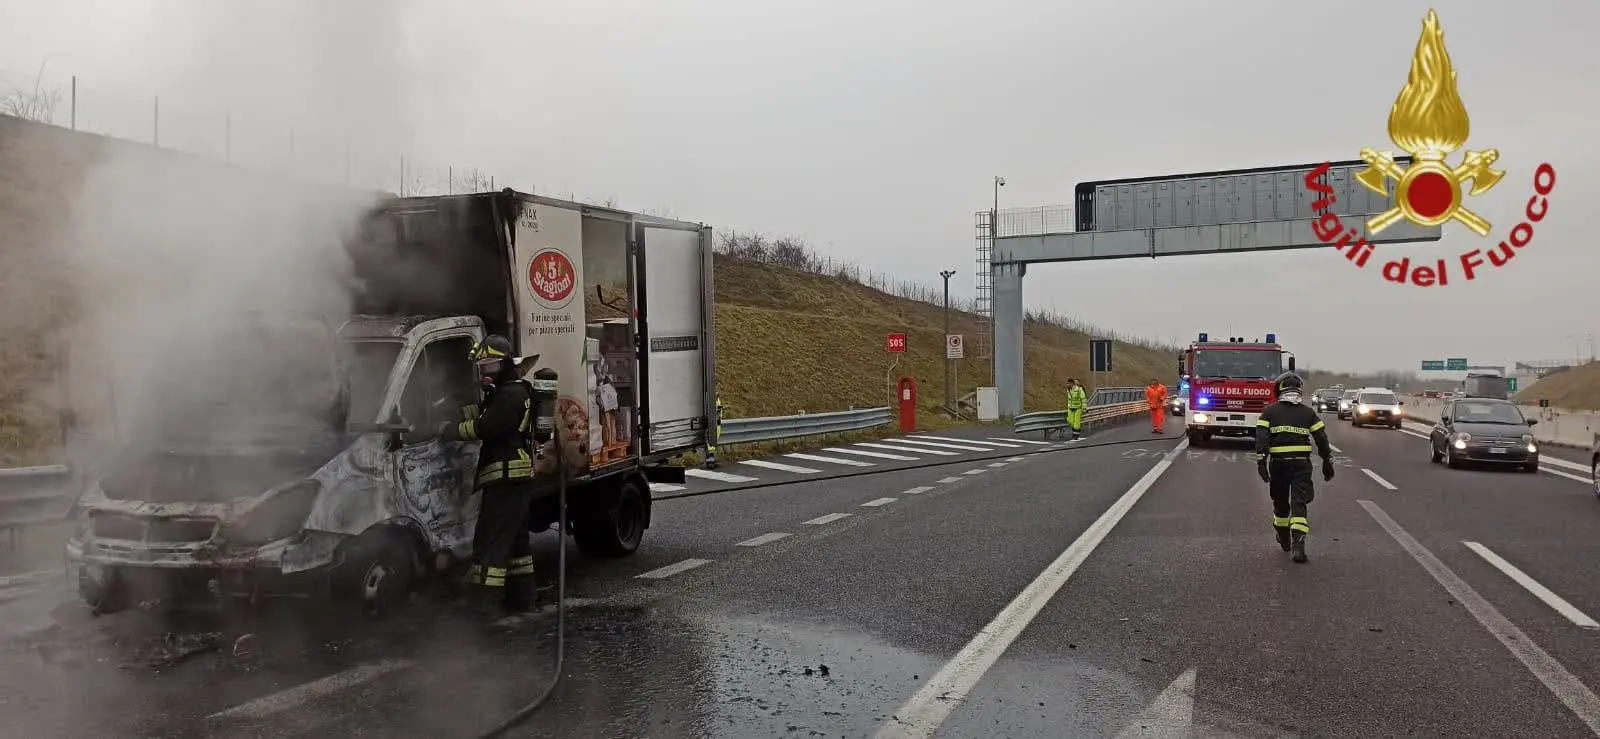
(1156, 397)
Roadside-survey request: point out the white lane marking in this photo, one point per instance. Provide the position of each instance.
(829, 460)
(830, 518)
(300, 694)
(1555, 677)
(673, 569)
(1015, 459)
(1019, 441)
(949, 479)
(864, 453)
(661, 487)
(781, 467)
(1409, 432)
(963, 447)
(1336, 450)
(1559, 473)
(913, 450)
(1557, 461)
(762, 539)
(1171, 714)
(878, 502)
(718, 476)
(917, 490)
(974, 472)
(998, 464)
(922, 715)
(1379, 480)
(969, 441)
(1531, 585)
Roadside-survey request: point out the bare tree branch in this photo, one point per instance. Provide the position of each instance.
(38, 104)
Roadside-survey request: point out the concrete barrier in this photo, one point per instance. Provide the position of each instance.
(1576, 429)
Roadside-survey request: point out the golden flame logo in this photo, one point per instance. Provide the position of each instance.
(1428, 121)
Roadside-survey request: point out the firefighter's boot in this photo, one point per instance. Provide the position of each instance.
(1297, 546)
(1283, 537)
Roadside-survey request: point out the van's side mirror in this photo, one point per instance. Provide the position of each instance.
(1444, 419)
(1533, 421)
(1402, 402)
(1291, 362)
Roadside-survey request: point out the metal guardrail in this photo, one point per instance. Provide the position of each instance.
(1049, 421)
(774, 428)
(1114, 395)
(34, 494)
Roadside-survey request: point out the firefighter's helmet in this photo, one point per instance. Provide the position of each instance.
(1288, 382)
(492, 355)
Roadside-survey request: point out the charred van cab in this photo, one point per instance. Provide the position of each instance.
(329, 475)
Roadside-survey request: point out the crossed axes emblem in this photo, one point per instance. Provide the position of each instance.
(1475, 166)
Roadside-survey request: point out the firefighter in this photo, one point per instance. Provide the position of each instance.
(502, 560)
(1156, 397)
(711, 449)
(1077, 400)
(1285, 435)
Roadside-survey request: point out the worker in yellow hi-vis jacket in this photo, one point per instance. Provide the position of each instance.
(1077, 401)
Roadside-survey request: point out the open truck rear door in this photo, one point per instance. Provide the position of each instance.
(674, 297)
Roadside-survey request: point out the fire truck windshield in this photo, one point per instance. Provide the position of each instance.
(1237, 364)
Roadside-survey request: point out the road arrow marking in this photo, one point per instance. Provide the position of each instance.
(1171, 714)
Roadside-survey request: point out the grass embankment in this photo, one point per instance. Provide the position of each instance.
(1577, 388)
(789, 340)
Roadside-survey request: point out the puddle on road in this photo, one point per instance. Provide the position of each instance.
(778, 678)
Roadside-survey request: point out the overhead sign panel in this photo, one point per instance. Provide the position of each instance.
(1432, 365)
(1455, 363)
(1231, 196)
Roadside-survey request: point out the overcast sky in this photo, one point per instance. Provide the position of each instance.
(874, 128)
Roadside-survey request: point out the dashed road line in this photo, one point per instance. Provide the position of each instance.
(1555, 676)
(673, 569)
(300, 694)
(662, 487)
(975, 472)
(970, 441)
(878, 502)
(963, 447)
(781, 467)
(864, 453)
(913, 450)
(1015, 459)
(1541, 592)
(1020, 441)
(1379, 480)
(762, 539)
(998, 464)
(1335, 449)
(829, 460)
(948, 480)
(830, 518)
(917, 490)
(718, 476)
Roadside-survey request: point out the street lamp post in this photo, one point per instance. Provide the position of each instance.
(949, 382)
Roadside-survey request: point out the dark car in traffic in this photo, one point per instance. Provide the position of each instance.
(1486, 430)
(1327, 401)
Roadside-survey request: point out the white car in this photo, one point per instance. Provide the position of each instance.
(1376, 407)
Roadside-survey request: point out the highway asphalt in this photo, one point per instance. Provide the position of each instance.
(1127, 588)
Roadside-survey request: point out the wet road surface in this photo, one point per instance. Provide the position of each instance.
(1127, 588)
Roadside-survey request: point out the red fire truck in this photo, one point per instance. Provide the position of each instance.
(1230, 383)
